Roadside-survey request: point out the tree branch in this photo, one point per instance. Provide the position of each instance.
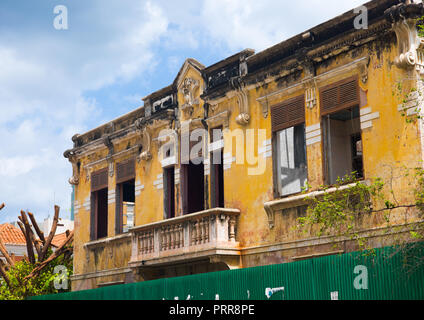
(31, 235)
(56, 254)
(4, 252)
(51, 234)
(30, 250)
(36, 227)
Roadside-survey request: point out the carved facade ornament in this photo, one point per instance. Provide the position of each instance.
(265, 107)
(221, 119)
(410, 45)
(107, 141)
(188, 88)
(363, 70)
(242, 100)
(74, 180)
(310, 93)
(142, 130)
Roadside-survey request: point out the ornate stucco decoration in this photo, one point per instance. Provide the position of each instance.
(188, 88)
(243, 117)
(410, 45)
(363, 69)
(107, 141)
(74, 180)
(220, 119)
(310, 93)
(265, 107)
(143, 131)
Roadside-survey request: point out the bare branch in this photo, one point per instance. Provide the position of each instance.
(28, 241)
(31, 235)
(51, 234)
(4, 252)
(56, 254)
(37, 228)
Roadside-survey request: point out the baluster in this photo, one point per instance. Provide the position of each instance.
(140, 243)
(181, 235)
(152, 241)
(199, 231)
(232, 232)
(172, 237)
(207, 224)
(194, 233)
(168, 238)
(177, 236)
(162, 239)
(202, 230)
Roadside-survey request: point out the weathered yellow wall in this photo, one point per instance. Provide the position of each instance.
(387, 145)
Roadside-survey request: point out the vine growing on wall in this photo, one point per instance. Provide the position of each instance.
(340, 211)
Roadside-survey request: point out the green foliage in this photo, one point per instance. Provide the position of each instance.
(40, 285)
(335, 213)
(338, 213)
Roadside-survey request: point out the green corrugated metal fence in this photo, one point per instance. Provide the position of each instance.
(392, 274)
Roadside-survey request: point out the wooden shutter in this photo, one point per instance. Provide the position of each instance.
(340, 95)
(185, 137)
(99, 180)
(288, 113)
(125, 171)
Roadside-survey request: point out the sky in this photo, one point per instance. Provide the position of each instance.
(56, 83)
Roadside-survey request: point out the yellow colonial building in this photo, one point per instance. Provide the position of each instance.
(208, 174)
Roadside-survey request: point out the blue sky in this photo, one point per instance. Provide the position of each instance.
(55, 83)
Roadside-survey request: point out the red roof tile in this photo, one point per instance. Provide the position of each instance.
(11, 235)
(59, 239)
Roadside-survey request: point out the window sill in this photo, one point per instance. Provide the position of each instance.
(298, 200)
(105, 241)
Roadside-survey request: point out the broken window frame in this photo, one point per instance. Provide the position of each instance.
(288, 114)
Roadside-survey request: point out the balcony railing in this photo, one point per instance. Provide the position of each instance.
(198, 235)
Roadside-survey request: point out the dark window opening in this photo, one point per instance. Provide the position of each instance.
(169, 192)
(192, 187)
(100, 214)
(217, 181)
(125, 202)
(342, 145)
(217, 171)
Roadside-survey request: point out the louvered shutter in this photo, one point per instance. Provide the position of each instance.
(125, 171)
(99, 180)
(288, 113)
(340, 95)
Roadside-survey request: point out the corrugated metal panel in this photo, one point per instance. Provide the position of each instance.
(392, 274)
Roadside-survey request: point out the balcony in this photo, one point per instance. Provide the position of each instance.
(209, 234)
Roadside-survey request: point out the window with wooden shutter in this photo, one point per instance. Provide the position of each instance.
(125, 171)
(99, 180)
(288, 113)
(340, 95)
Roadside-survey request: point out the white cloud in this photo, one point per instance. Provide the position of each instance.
(43, 81)
(45, 74)
(260, 24)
